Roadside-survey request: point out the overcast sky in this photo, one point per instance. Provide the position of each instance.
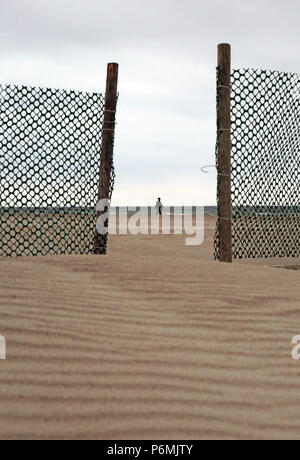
(167, 55)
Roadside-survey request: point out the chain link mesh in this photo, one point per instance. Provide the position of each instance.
(50, 152)
(265, 156)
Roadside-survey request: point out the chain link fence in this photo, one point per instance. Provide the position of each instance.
(50, 153)
(265, 158)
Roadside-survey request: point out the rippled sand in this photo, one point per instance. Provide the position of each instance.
(154, 341)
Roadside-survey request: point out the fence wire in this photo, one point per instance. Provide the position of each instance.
(265, 156)
(50, 153)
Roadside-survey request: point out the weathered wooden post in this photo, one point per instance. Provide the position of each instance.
(224, 153)
(104, 192)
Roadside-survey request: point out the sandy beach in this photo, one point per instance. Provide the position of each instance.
(153, 341)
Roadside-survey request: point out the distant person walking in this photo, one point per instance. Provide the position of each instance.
(159, 206)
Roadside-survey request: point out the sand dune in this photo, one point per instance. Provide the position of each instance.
(154, 341)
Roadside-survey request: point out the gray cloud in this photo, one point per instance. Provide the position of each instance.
(167, 55)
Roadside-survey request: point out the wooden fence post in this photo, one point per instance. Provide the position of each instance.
(100, 242)
(224, 153)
